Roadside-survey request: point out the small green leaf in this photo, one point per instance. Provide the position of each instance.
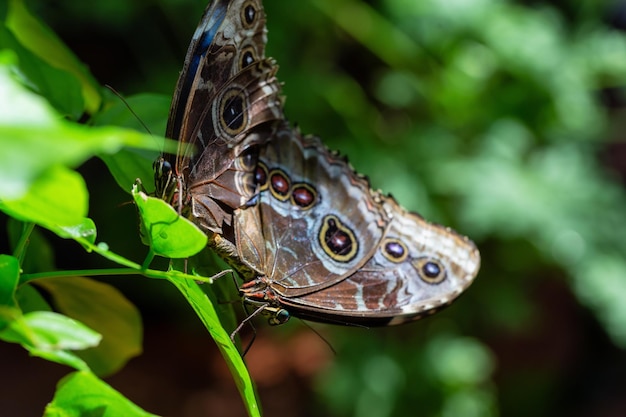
(51, 335)
(51, 331)
(82, 394)
(9, 277)
(59, 356)
(113, 316)
(169, 234)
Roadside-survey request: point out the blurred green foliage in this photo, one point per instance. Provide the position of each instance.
(484, 115)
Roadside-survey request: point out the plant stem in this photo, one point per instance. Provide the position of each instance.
(22, 244)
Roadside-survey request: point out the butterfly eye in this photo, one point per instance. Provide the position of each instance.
(248, 14)
(394, 250)
(430, 270)
(161, 168)
(281, 316)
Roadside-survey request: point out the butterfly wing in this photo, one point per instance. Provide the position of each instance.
(328, 248)
(226, 101)
(242, 116)
(417, 269)
(314, 223)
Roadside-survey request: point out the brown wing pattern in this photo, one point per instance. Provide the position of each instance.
(305, 191)
(326, 247)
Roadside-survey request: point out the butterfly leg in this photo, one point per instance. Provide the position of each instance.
(256, 312)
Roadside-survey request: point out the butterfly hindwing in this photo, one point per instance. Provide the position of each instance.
(326, 247)
(304, 191)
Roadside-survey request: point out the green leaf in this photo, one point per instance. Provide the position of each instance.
(51, 336)
(42, 41)
(56, 198)
(20, 106)
(51, 331)
(208, 264)
(9, 277)
(82, 394)
(113, 316)
(168, 234)
(29, 151)
(207, 314)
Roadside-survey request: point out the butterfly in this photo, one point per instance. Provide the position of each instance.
(306, 232)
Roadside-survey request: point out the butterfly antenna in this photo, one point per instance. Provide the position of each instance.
(114, 91)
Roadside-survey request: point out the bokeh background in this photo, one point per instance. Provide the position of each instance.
(502, 119)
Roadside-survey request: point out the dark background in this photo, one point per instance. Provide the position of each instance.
(501, 119)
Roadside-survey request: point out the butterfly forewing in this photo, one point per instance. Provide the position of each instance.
(225, 105)
(225, 41)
